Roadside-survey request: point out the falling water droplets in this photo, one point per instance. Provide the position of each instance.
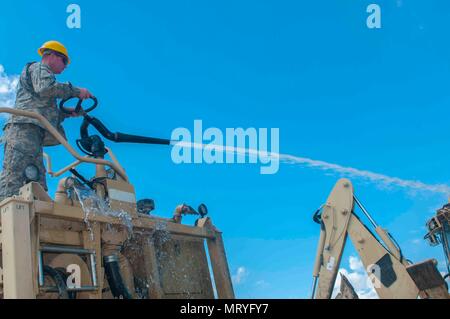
(93, 205)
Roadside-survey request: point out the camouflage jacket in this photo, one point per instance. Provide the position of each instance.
(37, 91)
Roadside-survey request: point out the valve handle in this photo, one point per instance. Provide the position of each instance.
(79, 107)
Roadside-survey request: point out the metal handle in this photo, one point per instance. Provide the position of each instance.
(69, 250)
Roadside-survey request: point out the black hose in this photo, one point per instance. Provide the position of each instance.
(82, 178)
(64, 275)
(59, 281)
(317, 216)
(112, 270)
(121, 137)
(117, 137)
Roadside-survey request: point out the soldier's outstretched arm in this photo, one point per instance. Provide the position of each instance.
(45, 85)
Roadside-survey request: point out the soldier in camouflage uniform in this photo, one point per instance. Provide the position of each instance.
(25, 137)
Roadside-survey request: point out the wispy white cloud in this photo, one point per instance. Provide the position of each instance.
(239, 276)
(8, 84)
(358, 278)
(355, 263)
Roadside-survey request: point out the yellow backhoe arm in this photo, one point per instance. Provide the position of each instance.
(383, 261)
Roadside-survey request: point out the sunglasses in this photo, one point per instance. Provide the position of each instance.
(63, 57)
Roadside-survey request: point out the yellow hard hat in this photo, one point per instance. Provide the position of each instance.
(55, 46)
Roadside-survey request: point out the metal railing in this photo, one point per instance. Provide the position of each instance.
(63, 141)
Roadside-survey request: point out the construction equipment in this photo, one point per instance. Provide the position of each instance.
(95, 240)
(439, 233)
(392, 275)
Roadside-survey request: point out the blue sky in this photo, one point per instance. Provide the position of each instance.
(339, 92)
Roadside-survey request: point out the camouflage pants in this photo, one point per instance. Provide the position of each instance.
(23, 146)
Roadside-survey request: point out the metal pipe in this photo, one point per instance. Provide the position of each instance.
(313, 294)
(372, 221)
(61, 192)
(69, 250)
(65, 249)
(114, 158)
(205, 236)
(49, 163)
(40, 268)
(85, 288)
(319, 252)
(93, 269)
(318, 261)
(67, 168)
(62, 140)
